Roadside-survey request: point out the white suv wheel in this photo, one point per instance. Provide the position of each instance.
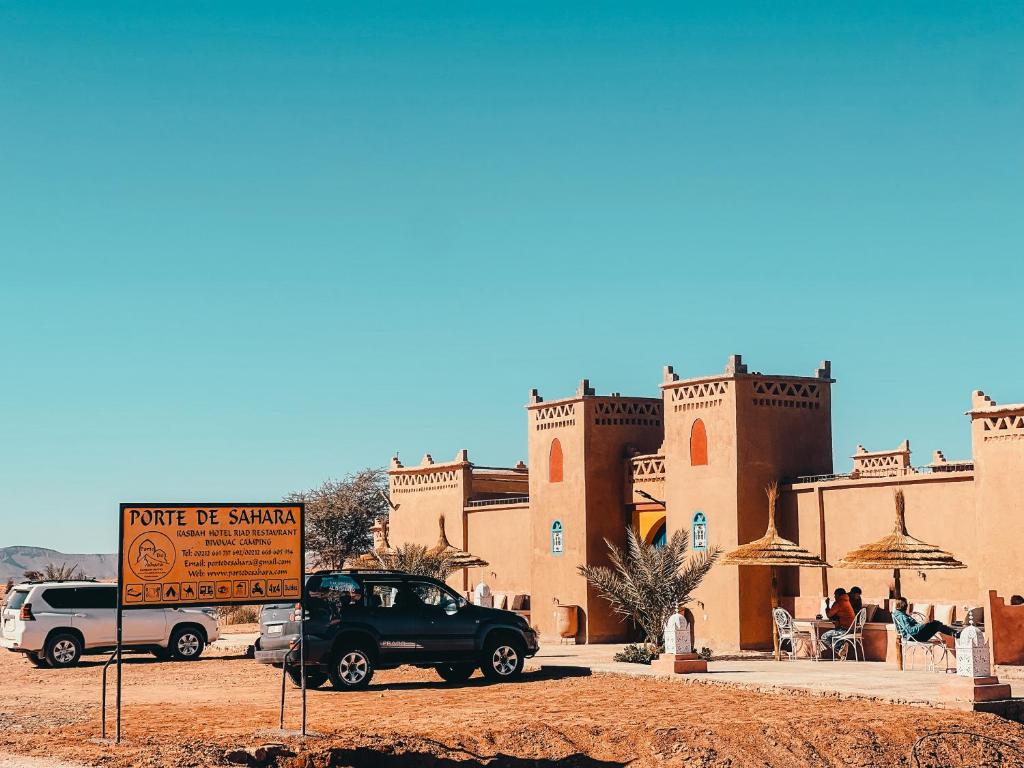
(188, 644)
(64, 652)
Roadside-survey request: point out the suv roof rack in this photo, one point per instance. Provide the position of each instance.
(360, 570)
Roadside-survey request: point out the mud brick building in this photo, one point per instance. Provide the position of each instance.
(698, 457)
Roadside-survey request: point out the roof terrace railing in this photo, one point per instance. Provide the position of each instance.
(498, 502)
(928, 469)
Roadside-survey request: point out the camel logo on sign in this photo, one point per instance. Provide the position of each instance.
(152, 556)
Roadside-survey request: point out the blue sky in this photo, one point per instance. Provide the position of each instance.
(246, 247)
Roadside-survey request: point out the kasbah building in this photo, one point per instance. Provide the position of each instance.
(700, 456)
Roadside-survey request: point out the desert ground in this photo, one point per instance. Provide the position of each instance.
(198, 713)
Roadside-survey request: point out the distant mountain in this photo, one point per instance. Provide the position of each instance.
(14, 561)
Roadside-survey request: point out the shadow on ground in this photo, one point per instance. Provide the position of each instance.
(364, 757)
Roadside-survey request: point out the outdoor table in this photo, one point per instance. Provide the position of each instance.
(817, 628)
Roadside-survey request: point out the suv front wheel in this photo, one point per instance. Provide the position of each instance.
(63, 650)
(186, 644)
(503, 659)
(352, 669)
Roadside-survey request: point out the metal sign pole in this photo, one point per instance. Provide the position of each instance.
(120, 619)
(302, 650)
(120, 623)
(284, 672)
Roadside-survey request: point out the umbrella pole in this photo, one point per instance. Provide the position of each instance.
(899, 641)
(775, 604)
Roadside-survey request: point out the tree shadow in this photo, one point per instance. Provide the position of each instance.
(365, 757)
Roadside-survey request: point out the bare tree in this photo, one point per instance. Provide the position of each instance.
(340, 514)
(647, 583)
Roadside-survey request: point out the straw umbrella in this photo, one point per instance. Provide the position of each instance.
(774, 551)
(896, 551)
(459, 558)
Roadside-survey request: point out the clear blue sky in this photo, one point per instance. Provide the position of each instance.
(246, 247)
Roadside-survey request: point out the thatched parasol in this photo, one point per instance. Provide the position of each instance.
(773, 550)
(382, 548)
(899, 550)
(458, 557)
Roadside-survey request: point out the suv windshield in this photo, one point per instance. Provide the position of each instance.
(17, 599)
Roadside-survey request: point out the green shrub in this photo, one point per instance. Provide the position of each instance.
(705, 653)
(634, 653)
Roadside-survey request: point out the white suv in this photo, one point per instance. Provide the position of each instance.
(54, 622)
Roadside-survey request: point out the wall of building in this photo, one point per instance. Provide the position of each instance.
(497, 533)
(615, 427)
(997, 439)
(553, 576)
(425, 492)
(784, 429)
(709, 488)
(757, 429)
(940, 509)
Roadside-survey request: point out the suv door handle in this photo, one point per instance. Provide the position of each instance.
(79, 615)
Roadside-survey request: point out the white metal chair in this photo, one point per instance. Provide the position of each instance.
(788, 631)
(930, 648)
(853, 637)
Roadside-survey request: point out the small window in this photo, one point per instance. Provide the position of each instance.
(700, 532)
(17, 599)
(557, 538)
(555, 462)
(698, 444)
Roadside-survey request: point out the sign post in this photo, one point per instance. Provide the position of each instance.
(182, 555)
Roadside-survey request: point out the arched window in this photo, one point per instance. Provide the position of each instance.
(660, 537)
(698, 444)
(555, 462)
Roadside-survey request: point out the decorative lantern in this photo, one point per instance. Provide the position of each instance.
(677, 635)
(972, 654)
(482, 595)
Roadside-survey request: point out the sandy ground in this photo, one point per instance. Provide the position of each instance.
(189, 714)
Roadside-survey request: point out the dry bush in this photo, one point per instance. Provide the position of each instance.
(238, 614)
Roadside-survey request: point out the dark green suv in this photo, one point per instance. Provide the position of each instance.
(359, 621)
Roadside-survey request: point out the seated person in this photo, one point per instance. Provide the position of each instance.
(842, 614)
(856, 599)
(917, 631)
(1016, 600)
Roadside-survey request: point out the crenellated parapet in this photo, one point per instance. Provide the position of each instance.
(998, 423)
(882, 463)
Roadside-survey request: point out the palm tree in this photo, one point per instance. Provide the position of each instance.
(417, 560)
(647, 584)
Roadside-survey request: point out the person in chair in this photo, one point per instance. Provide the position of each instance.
(912, 629)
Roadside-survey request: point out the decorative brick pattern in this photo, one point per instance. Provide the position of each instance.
(1009, 427)
(647, 468)
(787, 394)
(552, 416)
(632, 412)
(701, 395)
(414, 482)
